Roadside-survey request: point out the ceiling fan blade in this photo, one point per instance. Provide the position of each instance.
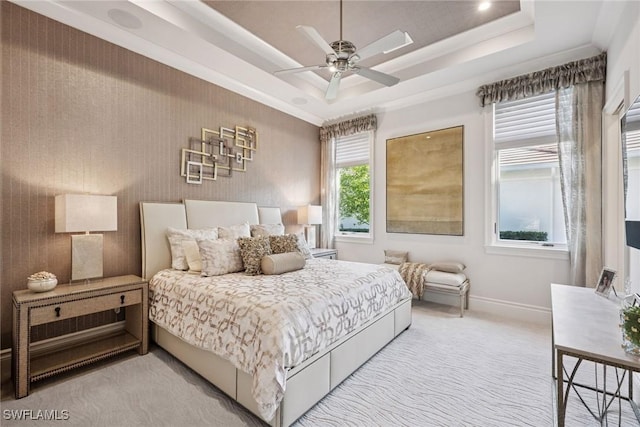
(386, 44)
(316, 38)
(299, 69)
(334, 84)
(377, 76)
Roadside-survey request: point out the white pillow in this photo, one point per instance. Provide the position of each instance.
(176, 236)
(232, 232)
(192, 253)
(445, 278)
(220, 256)
(447, 266)
(303, 246)
(267, 230)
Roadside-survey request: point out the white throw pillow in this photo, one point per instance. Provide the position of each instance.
(445, 278)
(303, 246)
(220, 256)
(232, 232)
(176, 236)
(192, 253)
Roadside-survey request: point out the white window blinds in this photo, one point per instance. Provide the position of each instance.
(532, 120)
(352, 150)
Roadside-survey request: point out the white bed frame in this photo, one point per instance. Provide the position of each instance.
(308, 382)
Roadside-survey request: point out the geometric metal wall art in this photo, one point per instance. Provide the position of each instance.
(218, 153)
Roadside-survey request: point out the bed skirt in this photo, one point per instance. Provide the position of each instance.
(308, 382)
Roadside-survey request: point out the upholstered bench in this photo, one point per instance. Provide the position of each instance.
(445, 277)
(448, 282)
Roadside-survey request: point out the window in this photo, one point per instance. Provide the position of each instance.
(528, 200)
(353, 178)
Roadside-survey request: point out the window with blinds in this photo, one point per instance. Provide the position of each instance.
(353, 155)
(529, 202)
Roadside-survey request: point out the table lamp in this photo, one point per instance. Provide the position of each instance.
(309, 216)
(86, 213)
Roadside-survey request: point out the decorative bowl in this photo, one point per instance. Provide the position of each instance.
(41, 282)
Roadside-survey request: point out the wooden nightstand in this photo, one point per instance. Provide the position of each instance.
(324, 253)
(130, 293)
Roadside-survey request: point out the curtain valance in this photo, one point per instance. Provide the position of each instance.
(349, 127)
(538, 82)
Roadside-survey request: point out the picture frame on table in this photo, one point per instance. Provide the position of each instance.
(605, 282)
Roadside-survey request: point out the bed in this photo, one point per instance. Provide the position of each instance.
(308, 375)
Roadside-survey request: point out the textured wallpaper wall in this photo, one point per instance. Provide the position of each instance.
(80, 114)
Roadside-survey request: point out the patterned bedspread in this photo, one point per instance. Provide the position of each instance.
(266, 324)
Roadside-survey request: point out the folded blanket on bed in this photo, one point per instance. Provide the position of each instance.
(414, 275)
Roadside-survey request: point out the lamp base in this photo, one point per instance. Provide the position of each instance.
(86, 256)
(310, 235)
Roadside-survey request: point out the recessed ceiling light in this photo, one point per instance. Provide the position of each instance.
(484, 5)
(124, 19)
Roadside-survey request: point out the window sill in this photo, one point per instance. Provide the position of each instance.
(561, 253)
(353, 238)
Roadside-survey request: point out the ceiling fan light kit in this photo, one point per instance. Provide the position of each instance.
(343, 56)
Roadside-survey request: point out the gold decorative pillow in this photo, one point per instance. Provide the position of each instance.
(252, 249)
(282, 244)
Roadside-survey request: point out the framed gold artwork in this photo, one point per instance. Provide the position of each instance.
(425, 183)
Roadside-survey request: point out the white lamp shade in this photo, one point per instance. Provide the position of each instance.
(310, 214)
(86, 212)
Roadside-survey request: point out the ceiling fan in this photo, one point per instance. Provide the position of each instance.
(343, 56)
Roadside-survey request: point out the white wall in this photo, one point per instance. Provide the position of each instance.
(498, 282)
(623, 86)
(502, 283)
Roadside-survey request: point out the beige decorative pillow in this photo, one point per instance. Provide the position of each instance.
(267, 230)
(192, 253)
(282, 244)
(282, 263)
(252, 249)
(448, 266)
(303, 246)
(395, 257)
(232, 232)
(220, 256)
(445, 278)
(176, 236)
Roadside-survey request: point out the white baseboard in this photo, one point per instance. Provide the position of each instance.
(513, 310)
(52, 344)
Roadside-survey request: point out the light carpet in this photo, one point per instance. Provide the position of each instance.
(479, 370)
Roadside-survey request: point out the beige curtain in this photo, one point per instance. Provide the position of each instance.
(579, 87)
(328, 195)
(579, 129)
(544, 81)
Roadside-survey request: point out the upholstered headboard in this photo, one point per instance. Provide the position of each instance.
(155, 218)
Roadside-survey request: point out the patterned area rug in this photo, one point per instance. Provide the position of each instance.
(444, 371)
